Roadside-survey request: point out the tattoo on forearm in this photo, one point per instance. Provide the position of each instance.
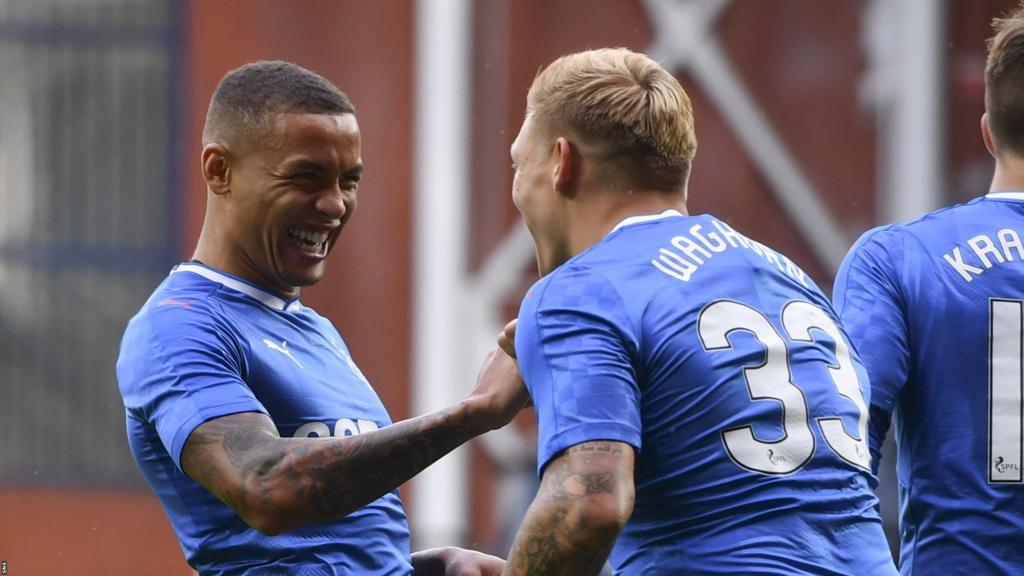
(325, 478)
(556, 537)
(357, 470)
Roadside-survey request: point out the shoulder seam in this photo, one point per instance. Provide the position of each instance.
(590, 269)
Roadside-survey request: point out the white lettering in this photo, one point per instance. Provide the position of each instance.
(689, 255)
(730, 235)
(343, 427)
(673, 264)
(1009, 239)
(956, 260)
(313, 430)
(718, 246)
(768, 254)
(795, 272)
(983, 247)
(687, 246)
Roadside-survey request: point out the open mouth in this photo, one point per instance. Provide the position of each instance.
(309, 241)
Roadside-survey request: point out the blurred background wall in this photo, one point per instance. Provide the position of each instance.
(816, 120)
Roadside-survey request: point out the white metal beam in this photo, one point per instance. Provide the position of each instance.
(684, 40)
(440, 376)
(912, 120)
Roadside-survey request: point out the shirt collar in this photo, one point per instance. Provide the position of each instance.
(1005, 195)
(646, 218)
(266, 298)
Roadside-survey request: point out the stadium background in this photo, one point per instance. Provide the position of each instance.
(815, 121)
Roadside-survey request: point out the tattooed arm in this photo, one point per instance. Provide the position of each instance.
(584, 500)
(276, 484)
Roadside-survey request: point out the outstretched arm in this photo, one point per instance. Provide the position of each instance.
(585, 498)
(276, 484)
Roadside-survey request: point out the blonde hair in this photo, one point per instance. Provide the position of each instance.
(626, 103)
(1004, 76)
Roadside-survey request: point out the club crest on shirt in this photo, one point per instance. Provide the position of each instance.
(341, 353)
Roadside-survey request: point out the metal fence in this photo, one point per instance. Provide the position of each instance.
(88, 107)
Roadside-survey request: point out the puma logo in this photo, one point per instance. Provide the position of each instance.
(283, 349)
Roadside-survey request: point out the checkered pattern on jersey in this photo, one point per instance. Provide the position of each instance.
(588, 343)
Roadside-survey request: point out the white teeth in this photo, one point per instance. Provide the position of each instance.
(308, 236)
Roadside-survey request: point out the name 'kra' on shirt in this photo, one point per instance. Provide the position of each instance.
(984, 252)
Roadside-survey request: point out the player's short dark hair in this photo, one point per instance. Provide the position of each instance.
(1004, 81)
(247, 97)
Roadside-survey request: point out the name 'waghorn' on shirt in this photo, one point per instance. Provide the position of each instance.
(686, 255)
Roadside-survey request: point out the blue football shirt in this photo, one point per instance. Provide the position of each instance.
(208, 344)
(723, 364)
(934, 307)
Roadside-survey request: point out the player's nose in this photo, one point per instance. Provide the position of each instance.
(330, 204)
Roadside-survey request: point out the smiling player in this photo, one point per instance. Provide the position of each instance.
(269, 450)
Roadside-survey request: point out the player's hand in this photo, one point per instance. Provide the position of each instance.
(507, 339)
(507, 342)
(452, 561)
(500, 393)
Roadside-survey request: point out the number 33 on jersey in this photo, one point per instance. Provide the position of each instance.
(723, 365)
(772, 380)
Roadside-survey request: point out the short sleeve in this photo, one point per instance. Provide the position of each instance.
(575, 346)
(180, 366)
(869, 302)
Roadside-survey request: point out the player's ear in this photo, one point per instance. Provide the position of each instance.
(216, 168)
(567, 167)
(986, 134)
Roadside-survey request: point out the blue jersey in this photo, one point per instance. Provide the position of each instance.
(723, 364)
(207, 344)
(935, 309)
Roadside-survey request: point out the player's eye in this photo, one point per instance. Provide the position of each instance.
(350, 182)
(304, 177)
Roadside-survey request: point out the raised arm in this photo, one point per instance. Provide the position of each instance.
(276, 484)
(585, 498)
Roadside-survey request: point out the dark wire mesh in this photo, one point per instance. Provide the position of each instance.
(88, 110)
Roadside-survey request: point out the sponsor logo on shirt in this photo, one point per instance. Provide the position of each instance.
(282, 348)
(340, 352)
(343, 427)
